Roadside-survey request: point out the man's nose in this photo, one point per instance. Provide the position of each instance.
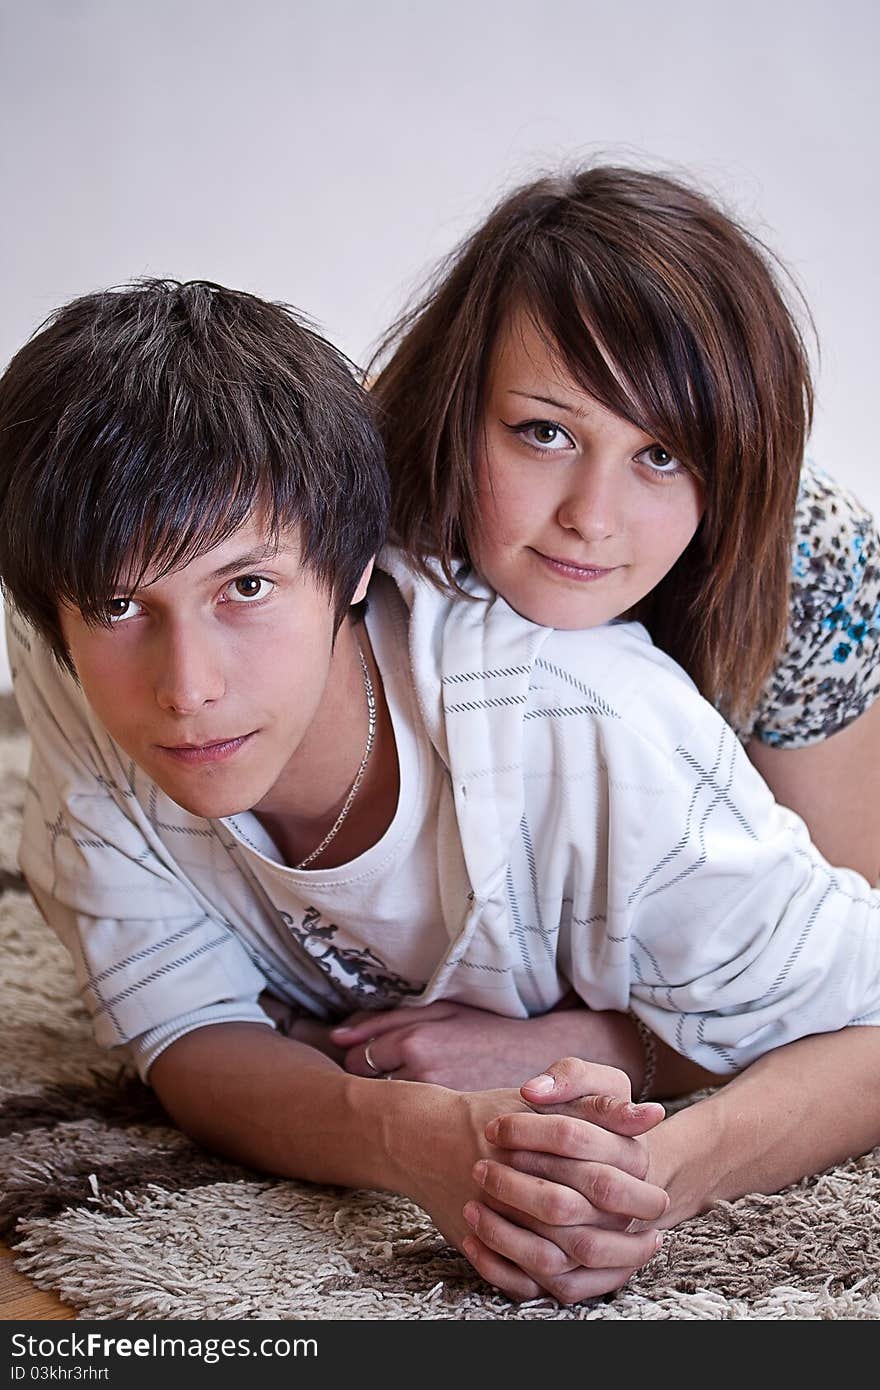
(189, 672)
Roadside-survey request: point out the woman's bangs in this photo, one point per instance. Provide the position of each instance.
(646, 379)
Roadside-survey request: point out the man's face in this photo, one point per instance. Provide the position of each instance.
(211, 677)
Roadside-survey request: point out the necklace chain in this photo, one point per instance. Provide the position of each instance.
(359, 776)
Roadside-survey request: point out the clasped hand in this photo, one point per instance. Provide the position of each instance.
(564, 1177)
(569, 1182)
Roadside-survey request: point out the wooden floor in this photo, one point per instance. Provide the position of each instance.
(20, 1300)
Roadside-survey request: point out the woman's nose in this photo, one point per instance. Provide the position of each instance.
(592, 504)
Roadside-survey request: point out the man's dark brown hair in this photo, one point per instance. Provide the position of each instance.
(669, 314)
(141, 426)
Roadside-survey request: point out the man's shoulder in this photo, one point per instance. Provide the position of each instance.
(478, 644)
(619, 658)
(616, 675)
(43, 688)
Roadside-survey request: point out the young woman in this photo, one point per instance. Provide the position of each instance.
(661, 316)
(601, 406)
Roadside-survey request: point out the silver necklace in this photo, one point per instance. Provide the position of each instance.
(359, 776)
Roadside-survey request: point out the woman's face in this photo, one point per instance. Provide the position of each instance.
(580, 513)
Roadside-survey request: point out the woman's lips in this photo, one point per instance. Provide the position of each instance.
(583, 574)
(195, 753)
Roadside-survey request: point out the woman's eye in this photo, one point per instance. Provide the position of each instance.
(660, 460)
(545, 435)
(119, 609)
(249, 587)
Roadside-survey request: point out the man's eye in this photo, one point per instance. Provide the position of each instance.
(118, 609)
(249, 587)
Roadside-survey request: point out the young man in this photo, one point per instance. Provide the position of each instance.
(238, 785)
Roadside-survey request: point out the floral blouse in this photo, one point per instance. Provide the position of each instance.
(829, 670)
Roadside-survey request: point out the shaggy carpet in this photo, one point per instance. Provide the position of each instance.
(107, 1204)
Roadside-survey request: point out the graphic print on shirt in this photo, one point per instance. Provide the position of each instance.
(360, 975)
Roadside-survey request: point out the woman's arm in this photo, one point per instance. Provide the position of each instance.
(467, 1049)
(834, 787)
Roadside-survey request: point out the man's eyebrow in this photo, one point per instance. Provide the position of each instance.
(548, 400)
(251, 557)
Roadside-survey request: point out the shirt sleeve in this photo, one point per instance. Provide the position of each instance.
(151, 962)
(736, 935)
(828, 672)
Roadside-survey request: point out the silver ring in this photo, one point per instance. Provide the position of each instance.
(371, 1061)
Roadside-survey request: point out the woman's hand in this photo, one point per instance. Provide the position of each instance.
(467, 1049)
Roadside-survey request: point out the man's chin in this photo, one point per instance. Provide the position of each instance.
(209, 802)
(211, 808)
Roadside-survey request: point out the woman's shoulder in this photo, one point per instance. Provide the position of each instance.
(828, 672)
(835, 578)
(832, 527)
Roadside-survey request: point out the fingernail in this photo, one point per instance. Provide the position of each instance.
(469, 1246)
(491, 1131)
(342, 1031)
(471, 1213)
(542, 1084)
(658, 1240)
(638, 1108)
(480, 1170)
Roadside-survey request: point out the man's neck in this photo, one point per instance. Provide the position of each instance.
(306, 802)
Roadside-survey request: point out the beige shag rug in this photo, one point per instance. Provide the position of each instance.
(108, 1205)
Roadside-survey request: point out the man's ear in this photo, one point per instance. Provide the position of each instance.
(360, 592)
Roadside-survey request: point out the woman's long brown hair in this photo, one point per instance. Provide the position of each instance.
(668, 313)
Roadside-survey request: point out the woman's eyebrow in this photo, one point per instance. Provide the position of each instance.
(548, 400)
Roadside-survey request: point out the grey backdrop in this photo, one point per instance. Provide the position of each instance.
(327, 153)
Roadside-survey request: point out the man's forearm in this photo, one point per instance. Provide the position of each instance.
(794, 1112)
(280, 1105)
(270, 1102)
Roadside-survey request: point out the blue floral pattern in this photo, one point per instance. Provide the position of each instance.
(829, 670)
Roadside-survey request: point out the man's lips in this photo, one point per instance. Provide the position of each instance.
(214, 752)
(575, 569)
